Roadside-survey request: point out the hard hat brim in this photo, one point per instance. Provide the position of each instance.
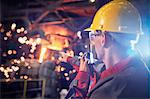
(89, 29)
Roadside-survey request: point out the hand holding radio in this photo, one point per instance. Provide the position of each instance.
(83, 64)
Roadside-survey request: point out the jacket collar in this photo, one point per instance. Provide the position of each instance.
(116, 68)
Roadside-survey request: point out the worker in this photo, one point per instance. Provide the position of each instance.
(114, 32)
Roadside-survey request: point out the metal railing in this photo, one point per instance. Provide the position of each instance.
(25, 84)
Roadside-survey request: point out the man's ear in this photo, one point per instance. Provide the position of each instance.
(103, 39)
(107, 40)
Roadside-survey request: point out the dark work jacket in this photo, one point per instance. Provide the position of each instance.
(133, 82)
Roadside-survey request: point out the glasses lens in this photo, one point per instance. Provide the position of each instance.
(93, 34)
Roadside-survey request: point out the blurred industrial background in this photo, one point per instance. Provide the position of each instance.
(34, 32)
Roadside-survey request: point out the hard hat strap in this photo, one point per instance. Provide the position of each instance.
(134, 42)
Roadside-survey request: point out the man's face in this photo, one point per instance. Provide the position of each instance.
(98, 42)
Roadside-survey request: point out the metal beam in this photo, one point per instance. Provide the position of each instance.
(41, 17)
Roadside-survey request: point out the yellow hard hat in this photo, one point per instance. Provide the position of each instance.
(117, 16)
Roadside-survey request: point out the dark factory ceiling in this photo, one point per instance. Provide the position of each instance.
(53, 12)
(73, 13)
(47, 11)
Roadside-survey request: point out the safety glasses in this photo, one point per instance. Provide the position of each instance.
(93, 34)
